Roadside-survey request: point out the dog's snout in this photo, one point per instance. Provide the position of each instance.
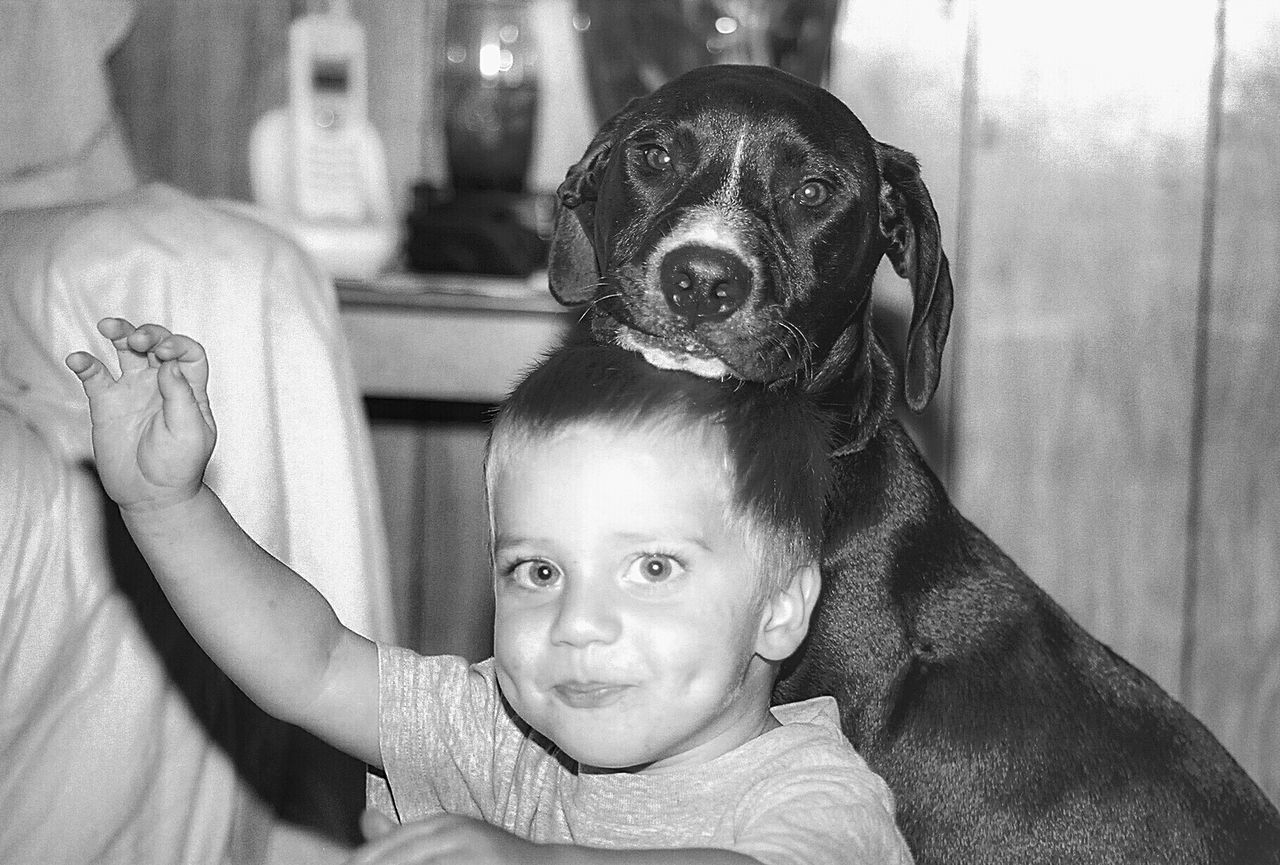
(703, 283)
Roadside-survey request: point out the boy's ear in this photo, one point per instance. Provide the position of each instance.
(784, 622)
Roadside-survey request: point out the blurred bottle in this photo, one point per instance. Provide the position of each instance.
(489, 93)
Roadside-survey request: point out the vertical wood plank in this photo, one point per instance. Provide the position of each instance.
(455, 577)
(437, 534)
(1235, 681)
(899, 67)
(1074, 391)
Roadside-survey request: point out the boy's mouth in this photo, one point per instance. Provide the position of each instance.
(589, 695)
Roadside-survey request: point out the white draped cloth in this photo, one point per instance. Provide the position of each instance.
(118, 743)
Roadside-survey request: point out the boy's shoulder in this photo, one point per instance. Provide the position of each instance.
(810, 744)
(810, 792)
(813, 723)
(820, 712)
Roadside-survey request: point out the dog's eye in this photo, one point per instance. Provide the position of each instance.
(813, 193)
(657, 158)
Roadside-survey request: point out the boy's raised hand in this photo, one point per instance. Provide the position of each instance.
(153, 431)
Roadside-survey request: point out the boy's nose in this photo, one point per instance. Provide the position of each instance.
(584, 616)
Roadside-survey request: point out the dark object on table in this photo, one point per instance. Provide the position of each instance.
(474, 232)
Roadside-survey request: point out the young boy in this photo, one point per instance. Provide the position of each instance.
(654, 541)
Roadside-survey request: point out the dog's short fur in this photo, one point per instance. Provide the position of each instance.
(730, 224)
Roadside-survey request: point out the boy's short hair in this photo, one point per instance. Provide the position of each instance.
(776, 441)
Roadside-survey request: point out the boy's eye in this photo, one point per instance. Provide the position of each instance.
(537, 574)
(654, 568)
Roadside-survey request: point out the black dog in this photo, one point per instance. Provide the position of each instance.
(730, 224)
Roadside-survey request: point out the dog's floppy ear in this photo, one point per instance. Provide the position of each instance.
(571, 261)
(910, 224)
(572, 265)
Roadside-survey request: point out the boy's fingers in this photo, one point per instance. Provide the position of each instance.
(189, 353)
(374, 824)
(114, 328)
(93, 375)
(119, 330)
(409, 844)
(151, 345)
(145, 339)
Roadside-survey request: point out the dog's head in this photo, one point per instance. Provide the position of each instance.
(730, 224)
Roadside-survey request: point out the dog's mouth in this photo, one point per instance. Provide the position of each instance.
(713, 355)
(691, 356)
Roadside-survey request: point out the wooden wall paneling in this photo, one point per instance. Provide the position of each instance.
(438, 533)
(456, 570)
(900, 66)
(398, 456)
(190, 79)
(1234, 658)
(1074, 387)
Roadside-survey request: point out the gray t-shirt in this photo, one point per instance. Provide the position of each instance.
(796, 794)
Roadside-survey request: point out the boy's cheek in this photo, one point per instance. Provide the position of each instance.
(513, 661)
(508, 631)
(520, 638)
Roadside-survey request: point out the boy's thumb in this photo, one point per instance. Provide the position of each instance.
(178, 402)
(375, 824)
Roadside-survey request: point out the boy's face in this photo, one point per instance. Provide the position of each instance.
(625, 630)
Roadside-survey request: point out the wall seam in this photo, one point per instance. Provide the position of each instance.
(960, 261)
(1200, 365)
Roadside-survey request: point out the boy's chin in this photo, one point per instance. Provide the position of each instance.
(585, 768)
(598, 757)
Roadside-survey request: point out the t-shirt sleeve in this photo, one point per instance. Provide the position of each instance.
(440, 722)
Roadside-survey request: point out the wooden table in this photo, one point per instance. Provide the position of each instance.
(448, 337)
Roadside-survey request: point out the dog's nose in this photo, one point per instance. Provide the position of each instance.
(703, 283)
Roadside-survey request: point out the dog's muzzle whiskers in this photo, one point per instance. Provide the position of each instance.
(593, 306)
(791, 335)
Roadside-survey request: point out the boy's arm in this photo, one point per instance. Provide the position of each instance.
(565, 855)
(584, 855)
(442, 837)
(266, 627)
(272, 632)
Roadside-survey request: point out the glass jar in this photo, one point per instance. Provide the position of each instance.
(489, 94)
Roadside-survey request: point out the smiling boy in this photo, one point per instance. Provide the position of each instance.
(655, 539)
